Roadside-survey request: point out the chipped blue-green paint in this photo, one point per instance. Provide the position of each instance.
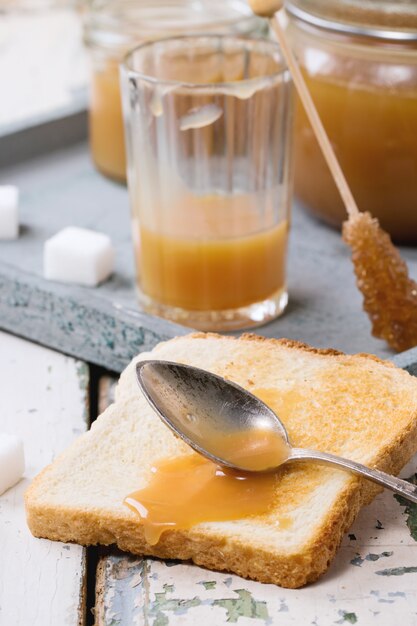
(347, 617)
(410, 509)
(161, 605)
(243, 606)
(375, 557)
(396, 594)
(397, 571)
(358, 560)
(118, 602)
(208, 584)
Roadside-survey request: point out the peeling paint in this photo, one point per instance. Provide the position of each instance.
(347, 617)
(208, 584)
(386, 601)
(410, 509)
(243, 606)
(397, 571)
(162, 605)
(358, 560)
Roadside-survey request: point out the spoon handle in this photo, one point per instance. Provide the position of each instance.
(402, 487)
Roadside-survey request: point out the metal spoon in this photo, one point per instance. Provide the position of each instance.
(198, 406)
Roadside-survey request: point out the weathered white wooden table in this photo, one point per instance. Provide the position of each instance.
(44, 399)
(49, 399)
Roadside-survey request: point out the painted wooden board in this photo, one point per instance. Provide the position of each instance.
(104, 325)
(372, 581)
(43, 400)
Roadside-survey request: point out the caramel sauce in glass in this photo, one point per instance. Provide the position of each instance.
(211, 252)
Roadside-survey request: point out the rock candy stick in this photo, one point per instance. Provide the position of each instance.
(390, 295)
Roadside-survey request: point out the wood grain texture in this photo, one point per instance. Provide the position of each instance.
(373, 579)
(43, 401)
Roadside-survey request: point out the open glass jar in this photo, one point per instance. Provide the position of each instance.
(112, 27)
(360, 61)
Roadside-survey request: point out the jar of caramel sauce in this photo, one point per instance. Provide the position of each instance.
(112, 27)
(360, 62)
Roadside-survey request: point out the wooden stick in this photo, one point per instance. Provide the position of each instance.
(313, 116)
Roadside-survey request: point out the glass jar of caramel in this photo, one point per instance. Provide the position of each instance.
(360, 62)
(112, 27)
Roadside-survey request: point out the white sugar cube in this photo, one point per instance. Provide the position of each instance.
(78, 255)
(9, 212)
(12, 461)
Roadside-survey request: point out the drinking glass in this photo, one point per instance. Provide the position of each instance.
(208, 128)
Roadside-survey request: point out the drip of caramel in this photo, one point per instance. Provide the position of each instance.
(187, 490)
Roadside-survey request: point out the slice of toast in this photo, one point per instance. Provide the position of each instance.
(356, 406)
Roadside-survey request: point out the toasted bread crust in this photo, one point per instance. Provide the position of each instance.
(289, 343)
(214, 551)
(291, 571)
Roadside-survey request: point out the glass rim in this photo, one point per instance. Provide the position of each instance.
(351, 28)
(99, 23)
(98, 11)
(268, 78)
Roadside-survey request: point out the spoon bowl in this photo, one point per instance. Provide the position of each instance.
(232, 427)
(211, 414)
